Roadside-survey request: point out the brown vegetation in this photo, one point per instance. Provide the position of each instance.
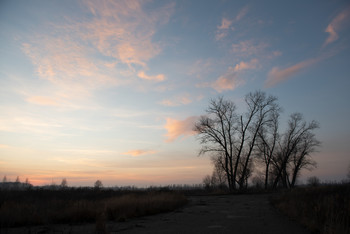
(37, 207)
(322, 209)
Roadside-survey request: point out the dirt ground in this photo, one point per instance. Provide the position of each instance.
(203, 214)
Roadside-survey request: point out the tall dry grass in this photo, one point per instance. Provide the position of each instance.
(323, 209)
(39, 208)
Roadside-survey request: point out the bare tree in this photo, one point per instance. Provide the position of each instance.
(18, 180)
(216, 132)
(27, 181)
(4, 180)
(98, 184)
(268, 137)
(295, 147)
(234, 136)
(64, 183)
(218, 178)
(260, 112)
(207, 182)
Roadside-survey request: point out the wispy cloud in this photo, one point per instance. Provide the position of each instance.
(143, 75)
(226, 25)
(252, 64)
(222, 30)
(249, 48)
(336, 25)
(183, 99)
(176, 128)
(123, 30)
(44, 101)
(102, 50)
(277, 75)
(231, 79)
(242, 13)
(139, 152)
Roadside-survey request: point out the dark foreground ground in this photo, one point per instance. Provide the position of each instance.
(203, 214)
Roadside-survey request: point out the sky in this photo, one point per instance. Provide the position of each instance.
(110, 90)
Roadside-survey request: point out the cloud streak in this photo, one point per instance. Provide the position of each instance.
(144, 76)
(183, 99)
(139, 152)
(43, 101)
(278, 75)
(336, 25)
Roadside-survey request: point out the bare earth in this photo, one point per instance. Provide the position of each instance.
(203, 214)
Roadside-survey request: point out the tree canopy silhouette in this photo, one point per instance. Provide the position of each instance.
(236, 139)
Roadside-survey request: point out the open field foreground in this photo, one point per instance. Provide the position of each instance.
(202, 214)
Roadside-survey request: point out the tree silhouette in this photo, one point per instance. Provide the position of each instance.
(295, 148)
(64, 183)
(98, 184)
(236, 141)
(233, 136)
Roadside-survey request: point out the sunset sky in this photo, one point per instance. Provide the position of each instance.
(110, 90)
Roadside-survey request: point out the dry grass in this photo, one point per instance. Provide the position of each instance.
(28, 209)
(323, 209)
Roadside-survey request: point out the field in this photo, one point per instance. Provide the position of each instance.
(76, 206)
(322, 209)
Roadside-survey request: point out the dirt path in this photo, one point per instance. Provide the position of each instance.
(219, 214)
(203, 214)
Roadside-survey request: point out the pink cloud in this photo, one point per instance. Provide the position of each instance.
(242, 13)
(231, 79)
(139, 152)
(44, 101)
(277, 75)
(176, 128)
(69, 55)
(225, 24)
(67, 64)
(223, 29)
(123, 30)
(336, 25)
(226, 83)
(252, 64)
(143, 75)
